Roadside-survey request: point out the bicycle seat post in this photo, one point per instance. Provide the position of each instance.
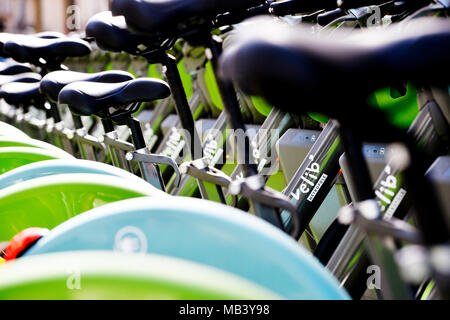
(231, 106)
(107, 124)
(150, 172)
(181, 106)
(232, 109)
(179, 95)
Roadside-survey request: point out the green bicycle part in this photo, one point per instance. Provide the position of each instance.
(318, 117)
(6, 141)
(104, 275)
(400, 110)
(48, 201)
(261, 105)
(276, 181)
(14, 157)
(186, 79)
(211, 85)
(428, 290)
(153, 72)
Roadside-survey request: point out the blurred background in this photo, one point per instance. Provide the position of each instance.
(29, 16)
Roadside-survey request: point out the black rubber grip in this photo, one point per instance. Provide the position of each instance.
(236, 17)
(328, 17)
(350, 4)
(287, 7)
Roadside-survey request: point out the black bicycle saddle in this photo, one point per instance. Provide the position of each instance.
(298, 71)
(50, 35)
(4, 37)
(54, 82)
(22, 77)
(33, 49)
(112, 34)
(8, 69)
(174, 16)
(92, 98)
(17, 93)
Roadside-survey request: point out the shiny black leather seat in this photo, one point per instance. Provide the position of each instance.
(22, 77)
(92, 98)
(54, 82)
(112, 34)
(50, 35)
(173, 16)
(21, 93)
(298, 71)
(13, 68)
(4, 37)
(33, 49)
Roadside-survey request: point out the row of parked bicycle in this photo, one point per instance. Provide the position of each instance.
(247, 149)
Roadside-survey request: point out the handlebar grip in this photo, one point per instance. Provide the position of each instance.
(325, 18)
(401, 6)
(350, 4)
(237, 17)
(287, 7)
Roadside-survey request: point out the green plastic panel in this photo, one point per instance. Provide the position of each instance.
(14, 157)
(211, 85)
(108, 275)
(401, 110)
(48, 201)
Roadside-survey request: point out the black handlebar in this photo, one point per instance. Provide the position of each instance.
(236, 17)
(350, 4)
(325, 18)
(287, 7)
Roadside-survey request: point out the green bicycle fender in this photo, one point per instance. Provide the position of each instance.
(14, 157)
(153, 72)
(261, 105)
(111, 275)
(48, 201)
(211, 85)
(7, 129)
(63, 166)
(8, 141)
(186, 79)
(276, 181)
(401, 111)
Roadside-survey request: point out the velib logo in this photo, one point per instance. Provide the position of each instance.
(311, 183)
(386, 191)
(174, 145)
(210, 147)
(388, 197)
(130, 240)
(211, 151)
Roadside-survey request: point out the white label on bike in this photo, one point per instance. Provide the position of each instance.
(174, 145)
(310, 181)
(395, 203)
(316, 189)
(386, 191)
